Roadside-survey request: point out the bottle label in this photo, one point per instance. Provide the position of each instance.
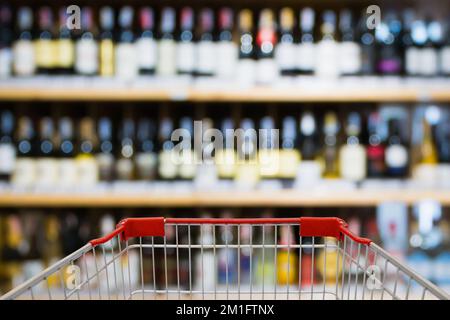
(187, 168)
(65, 53)
(247, 175)
(246, 72)
(445, 60)
(23, 57)
(45, 53)
(126, 62)
(428, 61)
(285, 56)
(352, 162)
(7, 158)
(349, 58)
(289, 160)
(105, 166)
(226, 163)
(269, 161)
(186, 57)
(124, 169)
(47, 172)
(86, 57)
(146, 165)
(166, 58)
(327, 64)
(206, 57)
(396, 156)
(306, 56)
(5, 62)
(67, 172)
(412, 60)
(106, 58)
(24, 172)
(167, 164)
(87, 170)
(146, 53)
(267, 71)
(227, 56)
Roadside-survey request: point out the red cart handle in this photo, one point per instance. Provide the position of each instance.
(154, 227)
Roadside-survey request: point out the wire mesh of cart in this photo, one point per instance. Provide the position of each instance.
(206, 258)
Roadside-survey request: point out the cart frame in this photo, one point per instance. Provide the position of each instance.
(353, 267)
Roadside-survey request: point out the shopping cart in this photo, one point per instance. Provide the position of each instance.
(267, 258)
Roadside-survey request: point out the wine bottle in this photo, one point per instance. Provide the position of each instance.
(24, 175)
(397, 158)
(186, 55)
(268, 155)
(105, 157)
(330, 146)
(86, 46)
(167, 47)
(167, 161)
(227, 51)
(7, 148)
(53, 249)
(6, 37)
(126, 66)
(266, 40)
(327, 57)
(349, 49)
(46, 163)
(246, 65)
(206, 47)
(125, 165)
(285, 51)
(308, 137)
(287, 259)
(146, 159)
(352, 155)
(428, 151)
(187, 167)
(24, 63)
(226, 158)
(443, 138)
(387, 34)
(309, 169)
(146, 44)
(306, 47)
(67, 174)
(289, 153)
(429, 59)
(107, 45)
(376, 165)
(65, 47)
(44, 43)
(264, 260)
(444, 54)
(87, 167)
(247, 170)
(413, 39)
(206, 171)
(367, 44)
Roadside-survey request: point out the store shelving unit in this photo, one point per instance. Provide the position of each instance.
(285, 198)
(298, 94)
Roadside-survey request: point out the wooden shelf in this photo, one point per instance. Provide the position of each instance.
(257, 94)
(285, 198)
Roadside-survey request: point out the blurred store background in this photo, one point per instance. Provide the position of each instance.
(86, 118)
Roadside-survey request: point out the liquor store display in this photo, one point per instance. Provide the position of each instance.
(323, 150)
(250, 46)
(279, 110)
